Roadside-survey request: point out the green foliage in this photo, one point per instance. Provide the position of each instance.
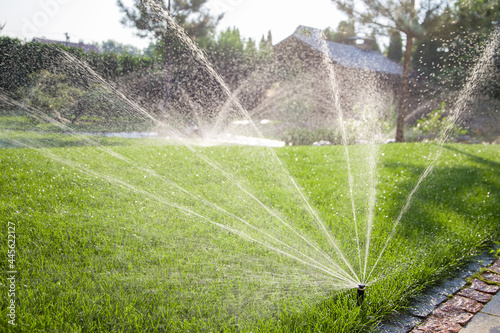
(266, 46)
(476, 16)
(236, 58)
(345, 32)
(230, 41)
(20, 60)
(452, 41)
(70, 101)
(395, 49)
(232, 56)
(51, 93)
(435, 122)
(496, 249)
(110, 65)
(192, 15)
(129, 63)
(98, 102)
(429, 52)
(116, 47)
(371, 42)
(251, 48)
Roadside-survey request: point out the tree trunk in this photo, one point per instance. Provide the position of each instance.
(406, 78)
(167, 69)
(403, 105)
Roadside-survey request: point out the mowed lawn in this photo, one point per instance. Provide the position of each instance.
(113, 244)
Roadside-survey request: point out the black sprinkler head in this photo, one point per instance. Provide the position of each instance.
(360, 294)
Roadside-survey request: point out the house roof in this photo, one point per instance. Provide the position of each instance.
(347, 55)
(85, 47)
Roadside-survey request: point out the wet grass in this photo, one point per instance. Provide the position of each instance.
(97, 255)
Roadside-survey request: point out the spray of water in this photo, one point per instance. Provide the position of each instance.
(369, 117)
(333, 268)
(289, 242)
(241, 110)
(483, 65)
(303, 258)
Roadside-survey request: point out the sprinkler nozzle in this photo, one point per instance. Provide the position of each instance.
(360, 294)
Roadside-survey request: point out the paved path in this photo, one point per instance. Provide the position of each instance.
(472, 309)
(456, 306)
(487, 320)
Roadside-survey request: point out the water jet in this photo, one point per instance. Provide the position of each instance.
(228, 220)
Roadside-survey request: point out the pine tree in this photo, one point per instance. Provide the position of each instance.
(266, 45)
(395, 49)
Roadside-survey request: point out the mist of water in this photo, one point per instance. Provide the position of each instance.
(315, 256)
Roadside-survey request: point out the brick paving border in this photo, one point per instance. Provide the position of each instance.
(456, 312)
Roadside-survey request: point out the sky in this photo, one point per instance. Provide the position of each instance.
(99, 20)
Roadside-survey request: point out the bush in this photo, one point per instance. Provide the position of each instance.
(305, 137)
(433, 124)
(69, 101)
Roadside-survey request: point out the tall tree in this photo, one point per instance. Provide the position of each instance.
(477, 16)
(448, 48)
(150, 18)
(476, 20)
(388, 15)
(344, 34)
(395, 49)
(372, 42)
(266, 45)
(250, 48)
(429, 50)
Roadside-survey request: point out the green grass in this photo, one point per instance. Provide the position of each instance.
(101, 246)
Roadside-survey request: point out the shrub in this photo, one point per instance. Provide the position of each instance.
(304, 136)
(435, 122)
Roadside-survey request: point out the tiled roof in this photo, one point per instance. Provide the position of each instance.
(347, 55)
(85, 47)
